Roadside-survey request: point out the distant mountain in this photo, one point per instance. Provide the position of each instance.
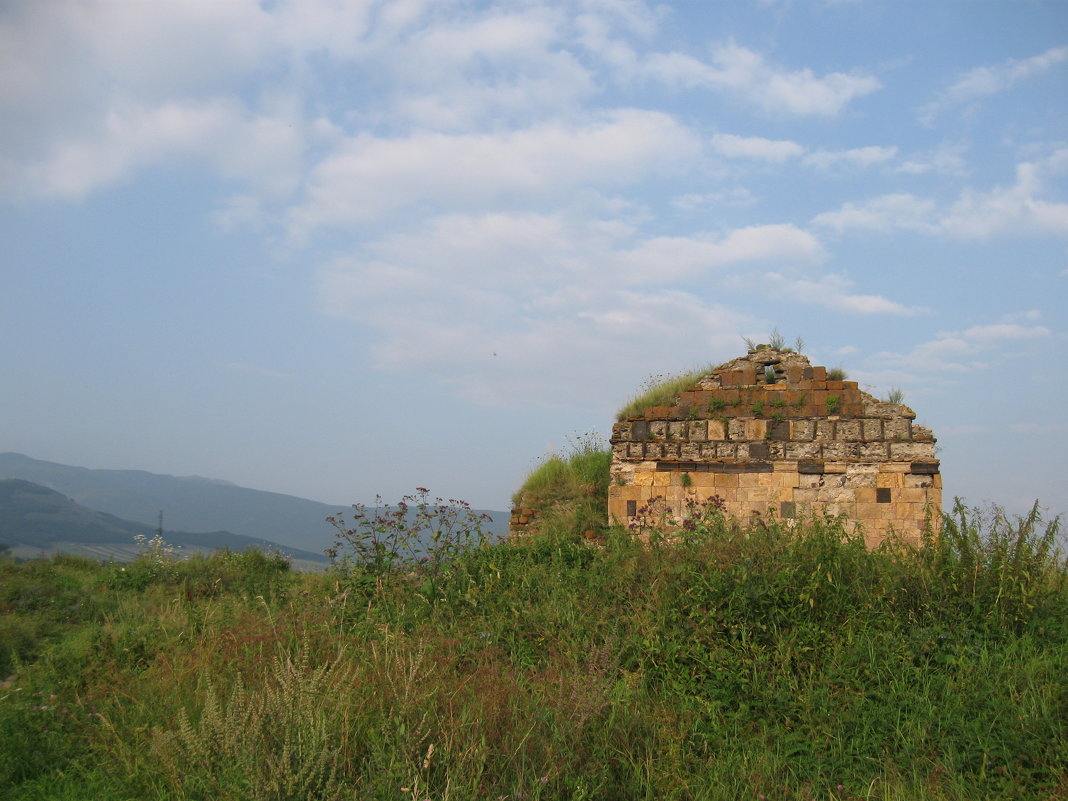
(35, 519)
(192, 503)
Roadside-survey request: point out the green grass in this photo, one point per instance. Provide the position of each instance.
(775, 661)
(661, 392)
(569, 493)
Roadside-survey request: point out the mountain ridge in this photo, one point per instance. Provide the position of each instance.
(192, 503)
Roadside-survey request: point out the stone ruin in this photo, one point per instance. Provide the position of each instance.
(768, 433)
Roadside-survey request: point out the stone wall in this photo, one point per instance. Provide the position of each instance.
(770, 432)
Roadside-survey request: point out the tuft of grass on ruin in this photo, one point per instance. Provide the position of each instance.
(661, 391)
(569, 492)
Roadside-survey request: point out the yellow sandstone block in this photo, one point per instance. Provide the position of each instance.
(644, 479)
(892, 480)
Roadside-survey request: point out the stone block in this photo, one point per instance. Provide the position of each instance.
(759, 450)
(891, 480)
(810, 467)
(849, 430)
(912, 451)
(802, 450)
(636, 450)
(698, 431)
(658, 430)
(840, 451)
(741, 450)
(897, 430)
(654, 450)
(776, 449)
(873, 429)
(690, 451)
(662, 479)
(755, 429)
(644, 479)
(620, 450)
(874, 451)
(639, 430)
(670, 451)
(865, 494)
(924, 468)
(802, 430)
(727, 450)
(824, 431)
(715, 430)
(708, 450)
(747, 376)
(778, 429)
(677, 430)
(736, 429)
(819, 373)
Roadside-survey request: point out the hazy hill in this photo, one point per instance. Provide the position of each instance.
(191, 503)
(36, 519)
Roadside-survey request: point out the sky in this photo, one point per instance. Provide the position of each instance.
(345, 249)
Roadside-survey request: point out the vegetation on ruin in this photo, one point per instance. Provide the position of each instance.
(718, 661)
(569, 492)
(661, 391)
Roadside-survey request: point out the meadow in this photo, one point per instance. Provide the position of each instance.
(716, 661)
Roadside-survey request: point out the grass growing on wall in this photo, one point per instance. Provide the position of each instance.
(758, 662)
(569, 493)
(661, 391)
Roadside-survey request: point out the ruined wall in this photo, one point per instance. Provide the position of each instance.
(797, 444)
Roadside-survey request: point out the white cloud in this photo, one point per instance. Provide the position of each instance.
(261, 151)
(736, 197)
(988, 80)
(755, 147)
(552, 294)
(677, 258)
(369, 177)
(886, 213)
(960, 351)
(834, 292)
(1011, 210)
(946, 159)
(747, 73)
(978, 215)
(857, 157)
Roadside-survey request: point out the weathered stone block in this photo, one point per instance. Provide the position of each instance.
(715, 430)
(658, 430)
(848, 430)
(620, 450)
(802, 450)
(698, 431)
(654, 450)
(897, 430)
(824, 431)
(873, 429)
(802, 430)
(636, 450)
(874, 451)
(690, 451)
(912, 451)
(736, 429)
(708, 450)
(677, 430)
(756, 429)
(670, 451)
(759, 450)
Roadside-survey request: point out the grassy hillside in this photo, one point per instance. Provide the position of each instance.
(718, 662)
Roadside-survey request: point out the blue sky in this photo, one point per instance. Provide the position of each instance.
(340, 249)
